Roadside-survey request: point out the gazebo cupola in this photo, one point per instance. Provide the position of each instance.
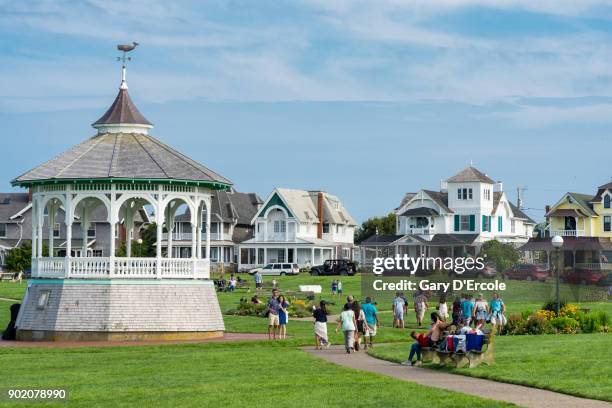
(119, 172)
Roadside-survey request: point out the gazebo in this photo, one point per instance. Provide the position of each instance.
(121, 169)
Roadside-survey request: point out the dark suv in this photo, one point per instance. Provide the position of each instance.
(530, 272)
(334, 267)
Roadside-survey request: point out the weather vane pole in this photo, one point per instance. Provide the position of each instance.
(124, 58)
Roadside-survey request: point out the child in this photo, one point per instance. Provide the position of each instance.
(339, 288)
(334, 287)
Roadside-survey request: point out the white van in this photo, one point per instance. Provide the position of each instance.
(280, 269)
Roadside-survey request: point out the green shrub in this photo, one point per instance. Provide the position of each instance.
(515, 325)
(551, 305)
(249, 309)
(525, 314)
(565, 325)
(590, 322)
(604, 319)
(537, 325)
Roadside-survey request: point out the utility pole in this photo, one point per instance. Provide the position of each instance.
(519, 196)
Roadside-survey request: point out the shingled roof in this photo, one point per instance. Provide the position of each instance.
(470, 174)
(131, 156)
(122, 111)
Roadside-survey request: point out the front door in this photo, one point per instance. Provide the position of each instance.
(570, 223)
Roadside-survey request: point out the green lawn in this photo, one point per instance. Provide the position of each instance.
(12, 290)
(230, 375)
(578, 364)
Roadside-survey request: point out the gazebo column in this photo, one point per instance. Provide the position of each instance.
(68, 219)
(51, 218)
(199, 232)
(130, 210)
(208, 205)
(39, 238)
(194, 241)
(159, 214)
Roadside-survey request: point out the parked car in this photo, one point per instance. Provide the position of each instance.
(280, 269)
(334, 267)
(530, 272)
(582, 276)
(488, 271)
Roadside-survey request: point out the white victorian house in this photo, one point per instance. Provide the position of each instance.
(298, 226)
(470, 209)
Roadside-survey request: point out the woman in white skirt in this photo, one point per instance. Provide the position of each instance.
(320, 326)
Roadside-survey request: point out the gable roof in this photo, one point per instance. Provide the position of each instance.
(407, 197)
(122, 156)
(440, 198)
(518, 213)
(229, 206)
(470, 174)
(11, 204)
(600, 191)
(583, 200)
(303, 204)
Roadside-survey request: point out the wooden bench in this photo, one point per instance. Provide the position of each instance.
(7, 276)
(460, 359)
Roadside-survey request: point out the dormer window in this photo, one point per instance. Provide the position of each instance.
(607, 201)
(464, 194)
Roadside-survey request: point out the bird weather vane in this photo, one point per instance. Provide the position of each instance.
(124, 58)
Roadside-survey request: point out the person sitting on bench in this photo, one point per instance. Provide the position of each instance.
(429, 339)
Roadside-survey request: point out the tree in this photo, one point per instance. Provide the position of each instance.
(147, 248)
(502, 255)
(20, 258)
(384, 225)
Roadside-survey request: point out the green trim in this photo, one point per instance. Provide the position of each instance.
(275, 200)
(213, 185)
(118, 281)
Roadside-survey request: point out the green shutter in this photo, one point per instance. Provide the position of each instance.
(500, 223)
(472, 222)
(490, 219)
(457, 222)
(483, 226)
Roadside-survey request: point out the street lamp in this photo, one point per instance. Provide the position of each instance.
(557, 243)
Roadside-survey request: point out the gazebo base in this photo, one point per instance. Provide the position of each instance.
(119, 310)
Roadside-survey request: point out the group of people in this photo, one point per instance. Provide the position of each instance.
(400, 308)
(358, 322)
(469, 316)
(336, 287)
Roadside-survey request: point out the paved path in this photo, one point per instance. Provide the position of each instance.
(70, 344)
(517, 394)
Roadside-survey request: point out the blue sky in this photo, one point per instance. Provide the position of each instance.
(365, 99)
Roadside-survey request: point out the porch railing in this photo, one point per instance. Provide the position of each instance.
(118, 268)
(602, 266)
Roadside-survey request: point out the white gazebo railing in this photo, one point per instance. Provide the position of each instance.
(140, 268)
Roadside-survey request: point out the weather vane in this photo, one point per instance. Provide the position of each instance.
(124, 58)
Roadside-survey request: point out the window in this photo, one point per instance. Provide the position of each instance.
(326, 228)
(607, 201)
(91, 232)
(337, 228)
(96, 253)
(43, 299)
(486, 223)
(500, 223)
(487, 194)
(56, 230)
(465, 223)
(512, 226)
(607, 223)
(280, 226)
(464, 194)
(3, 230)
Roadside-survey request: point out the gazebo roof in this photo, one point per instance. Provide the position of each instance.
(122, 111)
(122, 156)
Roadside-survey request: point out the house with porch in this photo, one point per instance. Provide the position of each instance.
(231, 214)
(584, 221)
(469, 209)
(298, 226)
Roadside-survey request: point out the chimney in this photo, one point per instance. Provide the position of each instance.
(546, 209)
(498, 187)
(320, 215)
(30, 192)
(443, 186)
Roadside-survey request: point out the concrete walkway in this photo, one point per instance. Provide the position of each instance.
(517, 394)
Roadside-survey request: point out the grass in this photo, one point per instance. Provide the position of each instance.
(241, 374)
(12, 290)
(573, 364)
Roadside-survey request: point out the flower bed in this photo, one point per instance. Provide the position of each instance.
(546, 321)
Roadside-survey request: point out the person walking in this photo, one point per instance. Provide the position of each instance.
(371, 317)
(320, 326)
(443, 307)
(334, 287)
(232, 283)
(497, 309)
(346, 320)
(481, 310)
(283, 317)
(273, 320)
(467, 308)
(258, 280)
(399, 307)
(420, 306)
(362, 325)
(456, 311)
(339, 283)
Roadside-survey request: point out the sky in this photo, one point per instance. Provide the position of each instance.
(364, 99)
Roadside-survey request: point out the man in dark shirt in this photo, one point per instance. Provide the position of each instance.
(273, 308)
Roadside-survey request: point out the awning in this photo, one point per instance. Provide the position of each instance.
(566, 213)
(420, 212)
(569, 244)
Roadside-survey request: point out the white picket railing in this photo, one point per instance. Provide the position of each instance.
(595, 265)
(566, 233)
(137, 268)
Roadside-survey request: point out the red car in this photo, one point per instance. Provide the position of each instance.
(528, 272)
(583, 276)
